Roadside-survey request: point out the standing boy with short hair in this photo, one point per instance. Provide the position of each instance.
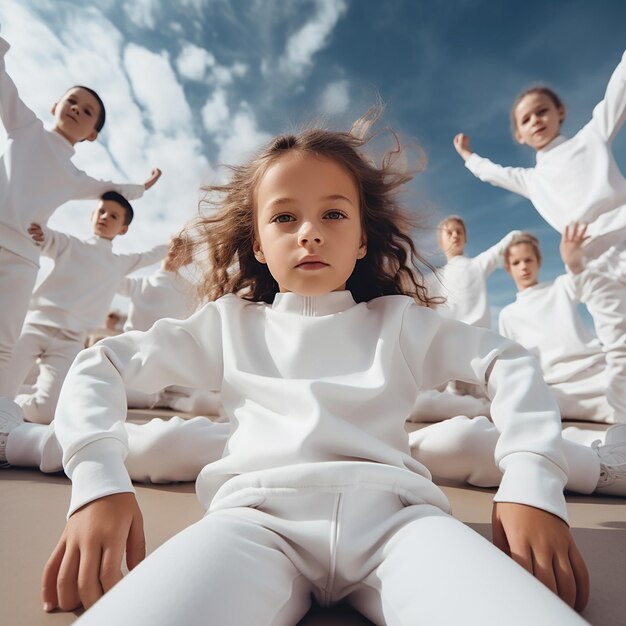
(72, 299)
(37, 176)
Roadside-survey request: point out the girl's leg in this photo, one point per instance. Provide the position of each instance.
(175, 449)
(435, 570)
(434, 406)
(226, 569)
(27, 350)
(462, 450)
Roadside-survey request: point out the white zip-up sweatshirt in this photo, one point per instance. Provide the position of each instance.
(162, 294)
(545, 320)
(77, 293)
(575, 179)
(317, 390)
(36, 172)
(463, 282)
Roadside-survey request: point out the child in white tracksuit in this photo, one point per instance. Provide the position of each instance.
(39, 176)
(318, 360)
(70, 301)
(574, 179)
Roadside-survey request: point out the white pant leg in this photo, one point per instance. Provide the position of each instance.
(227, 570)
(17, 279)
(584, 397)
(141, 400)
(159, 451)
(175, 449)
(60, 352)
(606, 303)
(462, 450)
(434, 570)
(193, 401)
(435, 406)
(31, 344)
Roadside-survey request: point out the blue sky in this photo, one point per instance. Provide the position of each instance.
(195, 83)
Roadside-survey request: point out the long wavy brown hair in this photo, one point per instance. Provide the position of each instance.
(224, 232)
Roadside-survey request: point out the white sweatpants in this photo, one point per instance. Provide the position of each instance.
(159, 451)
(398, 565)
(435, 406)
(56, 349)
(584, 396)
(17, 280)
(462, 450)
(607, 306)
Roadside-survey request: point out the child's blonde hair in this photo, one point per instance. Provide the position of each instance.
(519, 238)
(226, 235)
(452, 218)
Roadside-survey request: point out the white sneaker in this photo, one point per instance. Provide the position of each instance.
(612, 455)
(10, 418)
(615, 434)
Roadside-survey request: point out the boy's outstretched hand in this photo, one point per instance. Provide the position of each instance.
(155, 174)
(462, 144)
(87, 561)
(572, 239)
(542, 544)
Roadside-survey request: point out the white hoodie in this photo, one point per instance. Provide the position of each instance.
(317, 390)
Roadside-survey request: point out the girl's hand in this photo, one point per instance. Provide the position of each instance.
(462, 145)
(87, 561)
(542, 544)
(155, 174)
(571, 246)
(36, 233)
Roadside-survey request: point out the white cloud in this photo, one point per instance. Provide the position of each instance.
(192, 62)
(157, 89)
(335, 98)
(302, 45)
(215, 112)
(242, 138)
(142, 12)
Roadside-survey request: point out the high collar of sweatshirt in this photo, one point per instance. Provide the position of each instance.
(63, 143)
(101, 242)
(555, 143)
(529, 292)
(313, 306)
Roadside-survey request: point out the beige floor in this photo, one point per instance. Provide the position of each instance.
(34, 505)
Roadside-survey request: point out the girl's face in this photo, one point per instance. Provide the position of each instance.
(537, 120)
(308, 224)
(452, 239)
(523, 265)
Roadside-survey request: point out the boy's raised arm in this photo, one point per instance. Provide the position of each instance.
(609, 114)
(13, 112)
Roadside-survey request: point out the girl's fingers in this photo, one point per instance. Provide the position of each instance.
(136, 543)
(89, 587)
(581, 575)
(111, 566)
(50, 576)
(67, 580)
(542, 564)
(565, 579)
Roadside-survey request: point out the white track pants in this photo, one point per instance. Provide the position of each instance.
(17, 279)
(398, 565)
(56, 350)
(462, 450)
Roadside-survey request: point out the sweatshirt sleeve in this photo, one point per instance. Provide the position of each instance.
(491, 258)
(54, 242)
(513, 179)
(138, 260)
(90, 415)
(609, 114)
(13, 112)
(88, 187)
(529, 450)
(129, 287)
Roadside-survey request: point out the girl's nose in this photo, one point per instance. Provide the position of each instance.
(309, 233)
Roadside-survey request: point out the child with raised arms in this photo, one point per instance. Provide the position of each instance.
(37, 177)
(70, 301)
(574, 179)
(314, 337)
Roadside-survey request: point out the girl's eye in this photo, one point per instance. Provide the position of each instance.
(88, 112)
(335, 215)
(283, 218)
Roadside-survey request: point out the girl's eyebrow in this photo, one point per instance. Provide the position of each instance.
(281, 201)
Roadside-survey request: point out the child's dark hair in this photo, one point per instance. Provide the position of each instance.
(226, 235)
(539, 89)
(101, 113)
(121, 200)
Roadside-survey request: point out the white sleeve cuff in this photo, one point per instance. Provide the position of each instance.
(97, 470)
